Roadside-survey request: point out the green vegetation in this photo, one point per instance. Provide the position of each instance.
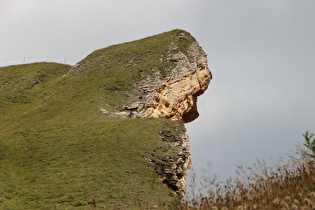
(57, 151)
(310, 143)
(71, 164)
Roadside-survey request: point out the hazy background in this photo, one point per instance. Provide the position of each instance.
(261, 54)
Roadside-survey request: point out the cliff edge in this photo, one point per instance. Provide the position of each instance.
(107, 132)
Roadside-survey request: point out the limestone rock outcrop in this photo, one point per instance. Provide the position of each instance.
(175, 97)
(172, 96)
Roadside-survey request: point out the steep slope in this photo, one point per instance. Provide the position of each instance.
(85, 135)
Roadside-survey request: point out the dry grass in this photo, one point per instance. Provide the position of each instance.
(284, 186)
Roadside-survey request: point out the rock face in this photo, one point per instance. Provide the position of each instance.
(175, 97)
(175, 172)
(172, 170)
(172, 96)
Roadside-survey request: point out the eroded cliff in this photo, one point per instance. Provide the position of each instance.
(175, 97)
(171, 93)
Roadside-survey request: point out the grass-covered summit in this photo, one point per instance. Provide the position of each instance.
(58, 151)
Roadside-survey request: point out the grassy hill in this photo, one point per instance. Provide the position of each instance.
(58, 151)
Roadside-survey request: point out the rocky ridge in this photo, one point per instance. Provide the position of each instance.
(174, 97)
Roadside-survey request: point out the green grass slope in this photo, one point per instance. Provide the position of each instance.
(57, 151)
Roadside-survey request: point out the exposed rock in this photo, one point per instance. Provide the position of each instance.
(175, 97)
(125, 114)
(172, 96)
(33, 83)
(134, 106)
(173, 170)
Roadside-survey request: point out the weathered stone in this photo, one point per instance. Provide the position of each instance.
(133, 106)
(141, 115)
(176, 96)
(167, 171)
(182, 36)
(173, 171)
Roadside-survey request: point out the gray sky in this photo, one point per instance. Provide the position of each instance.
(261, 54)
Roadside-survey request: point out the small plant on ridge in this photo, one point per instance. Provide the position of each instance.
(310, 143)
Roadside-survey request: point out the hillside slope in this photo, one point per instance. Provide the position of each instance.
(72, 136)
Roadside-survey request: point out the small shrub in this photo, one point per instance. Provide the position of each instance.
(310, 143)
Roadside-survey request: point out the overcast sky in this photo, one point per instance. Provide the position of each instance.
(261, 54)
